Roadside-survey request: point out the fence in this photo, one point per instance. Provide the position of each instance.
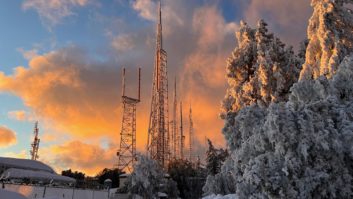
(34, 192)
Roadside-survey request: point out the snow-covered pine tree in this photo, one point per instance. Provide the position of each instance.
(214, 159)
(330, 36)
(301, 147)
(261, 70)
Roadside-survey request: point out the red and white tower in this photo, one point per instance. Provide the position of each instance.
(158, 131)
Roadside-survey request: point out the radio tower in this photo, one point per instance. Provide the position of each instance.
(158, 131)
(127, 151)
(182, 137)
(176, 137)
(191, 134)
(35, 143)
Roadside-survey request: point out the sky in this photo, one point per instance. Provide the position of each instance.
(61, 60)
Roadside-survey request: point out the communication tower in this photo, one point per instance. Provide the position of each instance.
(35, 143)
(158, 130)
(127, 152)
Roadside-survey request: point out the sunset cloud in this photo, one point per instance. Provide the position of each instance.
(77, 155)
(7, 137)
(22, 154)
(20, 115)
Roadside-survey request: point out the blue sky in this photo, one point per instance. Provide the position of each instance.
(87, 42)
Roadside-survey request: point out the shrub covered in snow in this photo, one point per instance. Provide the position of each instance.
(146, 178)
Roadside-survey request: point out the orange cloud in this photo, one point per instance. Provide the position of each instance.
(21, 154)
(77, 155)
(7, 137)
(74, 97)
(20, 115)
(203, 75)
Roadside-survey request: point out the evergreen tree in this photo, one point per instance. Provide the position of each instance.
(189, 178)
(214, 158)
(299, 144)
(112, 174)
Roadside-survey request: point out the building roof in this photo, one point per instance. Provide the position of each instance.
(25, 164)
(36, 175)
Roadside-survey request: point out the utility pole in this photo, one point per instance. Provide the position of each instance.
(35, 143)
(127, 151)
(158, 130)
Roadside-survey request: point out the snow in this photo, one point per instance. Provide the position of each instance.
(213, 196)
(4, 194)
(33, 192)
(24, 164)
(36, 175)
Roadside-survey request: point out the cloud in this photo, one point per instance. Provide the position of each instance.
(21, 154)
(288, 19)
(53, 11)
(28, 54)
(78, 97)
(146, 9)
(19, 115)
(77, 155)
(123, 42)
(7, 137)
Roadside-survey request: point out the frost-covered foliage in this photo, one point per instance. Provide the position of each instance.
(215, 158)
(219, 196)
(301, 145)
(261, 69)
(299, 149)
(330, 33)
(223, 182)
(146, 178)
(189, 178)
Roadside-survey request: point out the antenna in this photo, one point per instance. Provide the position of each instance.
(158, 130)
(127, 150)
(123, 82)
(182, 137)
(191, 132)
(139, 89)
(35, 143)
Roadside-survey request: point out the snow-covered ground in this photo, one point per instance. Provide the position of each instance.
(213, 196)
(32, 192)
(4, 194)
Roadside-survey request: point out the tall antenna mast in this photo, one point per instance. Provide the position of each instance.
(182, 137)
(158, 131)
(175, 129)
(35, 143)
(191, 134)
(127, 151)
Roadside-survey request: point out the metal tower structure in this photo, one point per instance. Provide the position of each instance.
(176, 140)
(127, 152)
(158, 131)
(35, 143)
(182, 136)
(191, 135)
